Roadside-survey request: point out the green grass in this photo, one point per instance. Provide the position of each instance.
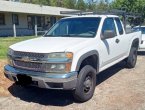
(6, 42)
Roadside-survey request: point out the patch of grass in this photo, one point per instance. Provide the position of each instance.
(5, 42)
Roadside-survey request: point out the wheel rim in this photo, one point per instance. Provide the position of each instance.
(88, 83)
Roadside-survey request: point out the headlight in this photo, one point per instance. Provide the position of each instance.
(61, 65)
(10, 52)
(68, 55)
(58, 67)
(10, 61)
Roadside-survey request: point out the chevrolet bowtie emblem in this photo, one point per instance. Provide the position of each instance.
(26, 58)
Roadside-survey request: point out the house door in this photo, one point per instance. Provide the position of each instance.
(31, 22)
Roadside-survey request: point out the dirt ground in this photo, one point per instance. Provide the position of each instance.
(118, 89)
(4, 82)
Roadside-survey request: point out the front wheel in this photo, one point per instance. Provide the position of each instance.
(86, 84)
(132, 58)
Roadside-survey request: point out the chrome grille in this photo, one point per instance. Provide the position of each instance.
(24, 60)
(28, 54)
(29, 65)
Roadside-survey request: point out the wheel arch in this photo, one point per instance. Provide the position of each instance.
(91, 54)
(135, 43)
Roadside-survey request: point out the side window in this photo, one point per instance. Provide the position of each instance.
(109, 25)
(15, 19)
(2, 19)
(119, 25)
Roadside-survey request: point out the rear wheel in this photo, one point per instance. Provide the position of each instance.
(132, 58)
(86, 84)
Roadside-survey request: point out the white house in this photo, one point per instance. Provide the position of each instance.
(23, 19)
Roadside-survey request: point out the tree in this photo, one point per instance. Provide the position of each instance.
(130, 5)
(56, 3)
(81, 5)
(69, 4)
(41, 2)
(91, 5)
(45, 2)
(135, 6)
(102, 6)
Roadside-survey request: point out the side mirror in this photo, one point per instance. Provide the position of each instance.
(108, 34)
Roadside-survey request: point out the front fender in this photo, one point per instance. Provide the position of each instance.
(84, 56)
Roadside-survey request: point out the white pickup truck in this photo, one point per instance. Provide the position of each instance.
(142, 29)
(71, 54)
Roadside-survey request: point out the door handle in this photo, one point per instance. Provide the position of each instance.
(117, 41)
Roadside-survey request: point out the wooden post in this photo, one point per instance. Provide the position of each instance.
(14, 26)
(36, 32)
(14, 30)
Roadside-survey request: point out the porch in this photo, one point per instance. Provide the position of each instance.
(19, 24)
(23, 19)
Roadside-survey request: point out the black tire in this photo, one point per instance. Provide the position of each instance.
(86, 84)
(132, 58)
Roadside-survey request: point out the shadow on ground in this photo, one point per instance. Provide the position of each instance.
(56, 97)
(42, 96)
(110, 72)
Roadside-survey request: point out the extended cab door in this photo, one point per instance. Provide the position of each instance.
(122, 38)
(110, 47)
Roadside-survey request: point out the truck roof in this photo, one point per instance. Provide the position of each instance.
(80, 16)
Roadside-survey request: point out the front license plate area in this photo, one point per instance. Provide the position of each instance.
(24, 79)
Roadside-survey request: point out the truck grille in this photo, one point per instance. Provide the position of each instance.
(28, 54)
(29, 65)
(19, 61)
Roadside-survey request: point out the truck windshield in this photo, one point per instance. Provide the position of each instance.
(75, 27)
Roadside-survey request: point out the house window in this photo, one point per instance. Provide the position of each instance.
(40, 21)
(2, 19)
(15, 19)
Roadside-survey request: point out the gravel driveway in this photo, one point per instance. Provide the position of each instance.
(118, 89)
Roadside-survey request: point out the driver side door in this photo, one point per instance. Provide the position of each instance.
(110, 51)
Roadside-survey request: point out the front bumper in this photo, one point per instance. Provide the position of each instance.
(65, 81)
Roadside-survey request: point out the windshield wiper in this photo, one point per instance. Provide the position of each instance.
(51, 36)
(66, 35)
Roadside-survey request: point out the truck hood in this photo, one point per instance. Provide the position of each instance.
(48, 44)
